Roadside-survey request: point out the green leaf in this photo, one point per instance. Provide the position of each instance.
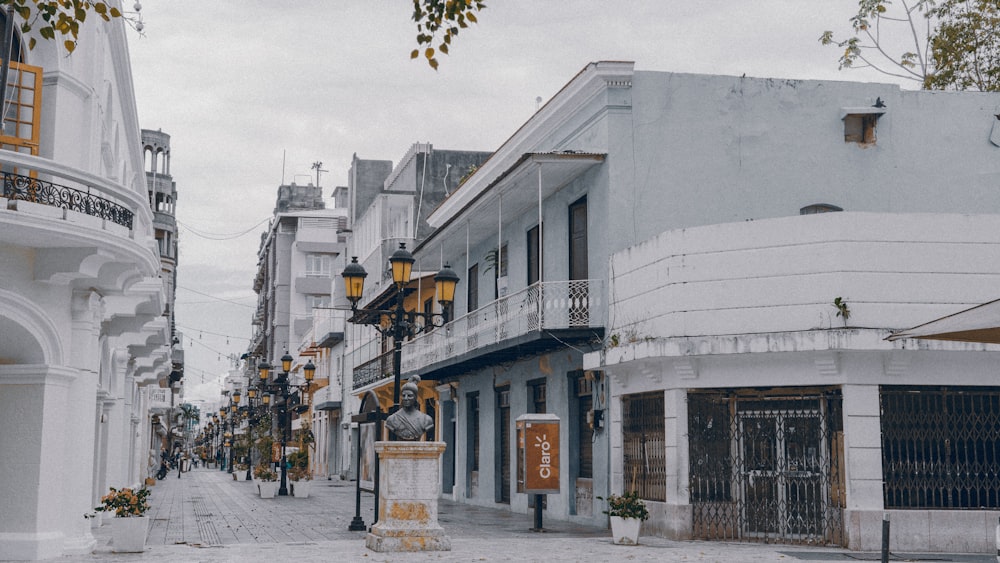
(47, 32)
(415, 53)
(70, 45)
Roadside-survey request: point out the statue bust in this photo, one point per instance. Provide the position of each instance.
(408, 423)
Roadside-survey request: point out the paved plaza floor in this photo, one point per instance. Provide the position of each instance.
(206, 516)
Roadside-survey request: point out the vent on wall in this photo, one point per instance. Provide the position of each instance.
(819, 208)
(859, 123)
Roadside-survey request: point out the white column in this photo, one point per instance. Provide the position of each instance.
(35, 461)
(863, 460)
(78, 422)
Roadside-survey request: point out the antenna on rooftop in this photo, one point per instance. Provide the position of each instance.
(318, 167)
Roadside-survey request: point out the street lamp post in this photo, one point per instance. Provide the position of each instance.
(223, 416)
(401, 322)
(282, 389)
(250, 413)
(234, 402)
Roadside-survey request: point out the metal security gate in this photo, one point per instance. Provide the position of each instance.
(766, 467)
(941, 447)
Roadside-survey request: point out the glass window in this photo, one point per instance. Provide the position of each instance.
(318, 264)
(318, 301)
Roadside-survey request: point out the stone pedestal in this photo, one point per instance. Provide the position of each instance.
(409, 487)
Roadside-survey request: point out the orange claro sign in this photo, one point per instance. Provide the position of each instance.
(538, 442)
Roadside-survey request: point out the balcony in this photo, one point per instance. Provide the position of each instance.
(538, 319)
(51, 184)
(328, 326)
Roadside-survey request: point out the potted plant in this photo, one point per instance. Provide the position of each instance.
(240, 471)
(301, 480)
(129, 527)
(627, 512)
(267, 480)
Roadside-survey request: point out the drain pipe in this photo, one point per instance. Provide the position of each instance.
(998, 541)
(885, 537)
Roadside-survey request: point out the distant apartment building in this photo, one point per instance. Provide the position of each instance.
(168, 425)
(294, 269)
(294, 285)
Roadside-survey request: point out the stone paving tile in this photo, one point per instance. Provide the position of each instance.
(207, 517)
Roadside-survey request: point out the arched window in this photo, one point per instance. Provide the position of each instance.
(15, 44)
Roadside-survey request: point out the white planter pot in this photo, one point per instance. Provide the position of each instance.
(625, 531)
(301, 489)
(128, 535)
(267, 488)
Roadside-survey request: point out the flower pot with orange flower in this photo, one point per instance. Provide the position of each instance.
(130, 524)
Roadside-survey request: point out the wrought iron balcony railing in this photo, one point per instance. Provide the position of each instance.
(546, 306)
(553, 305)
(26, 188)
(373, 371)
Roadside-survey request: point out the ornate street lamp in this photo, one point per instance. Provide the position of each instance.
(224, 417)
(250, 414)
(234, 406)
(282, 389)
(401, 322)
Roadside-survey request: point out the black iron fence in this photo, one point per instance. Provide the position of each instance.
(26, 188)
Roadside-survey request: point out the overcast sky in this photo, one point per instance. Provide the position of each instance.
(254, 92)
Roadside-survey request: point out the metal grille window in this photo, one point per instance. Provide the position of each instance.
(644, 445)
(941, 447)
(767, 467)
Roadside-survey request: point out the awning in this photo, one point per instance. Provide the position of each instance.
(978, 324)
(327, 406)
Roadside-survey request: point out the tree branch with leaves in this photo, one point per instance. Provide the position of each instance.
(947, 44)
(54, 19)
(444, 17)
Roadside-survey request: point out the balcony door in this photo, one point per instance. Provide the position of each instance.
(578, 266)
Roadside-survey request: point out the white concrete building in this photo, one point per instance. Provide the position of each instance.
(81, 298)
(781, 420)
(727, 164)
